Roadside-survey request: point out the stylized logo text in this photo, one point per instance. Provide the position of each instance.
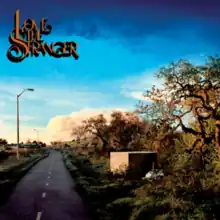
(27, 41)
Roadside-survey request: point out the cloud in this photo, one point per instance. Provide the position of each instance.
(61, 103)
(13, 117)
(59, 127)
(52, 95)
(135, 86)
(47, 108)
(105, 19)
(135, 95)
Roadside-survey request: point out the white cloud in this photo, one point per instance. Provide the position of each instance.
(45, 100)
(58, 128)
(61, 103)
(135, 86)
(135, 95)
(52, 95)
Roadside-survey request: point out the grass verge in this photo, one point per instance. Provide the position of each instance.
(106, 197)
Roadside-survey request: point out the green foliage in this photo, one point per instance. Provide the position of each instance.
(120, 209)
(184, 193)
(100, 193)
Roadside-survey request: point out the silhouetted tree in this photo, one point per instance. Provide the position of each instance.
(3, 141)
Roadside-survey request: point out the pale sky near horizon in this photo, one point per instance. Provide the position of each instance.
(120, 46)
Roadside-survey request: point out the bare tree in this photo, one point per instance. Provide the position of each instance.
(79, 132)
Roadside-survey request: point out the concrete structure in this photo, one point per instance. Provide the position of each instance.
(140, 161)
(119, 161)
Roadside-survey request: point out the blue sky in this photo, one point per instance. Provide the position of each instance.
(120, 46)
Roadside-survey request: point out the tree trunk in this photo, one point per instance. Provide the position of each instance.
(105, 150)
(217, 133)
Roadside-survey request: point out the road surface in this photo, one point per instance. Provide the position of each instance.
(45, 193)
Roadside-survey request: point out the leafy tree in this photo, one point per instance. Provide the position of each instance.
(194, 91)
(123, 131)
(98, 127)
(126, 129)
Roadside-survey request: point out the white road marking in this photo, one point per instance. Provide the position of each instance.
(47, 184)
(43, 195)
(48, 177)
(39, 214)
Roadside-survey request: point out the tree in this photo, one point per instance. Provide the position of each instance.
(79, 132)
(123, 131)
(160, 128)
(190, 90)
(197, 90)
(3, 141)
(42, 144)
(126, 129)
(56, 143)
(98, 127)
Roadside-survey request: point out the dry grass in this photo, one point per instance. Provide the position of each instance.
(22, 150)
(12, 160)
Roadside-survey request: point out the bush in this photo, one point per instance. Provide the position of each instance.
(4, 155)
(104, 197)
(187, 191)
(120, 209)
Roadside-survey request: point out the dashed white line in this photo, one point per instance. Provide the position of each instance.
(48, 177)
(39, 214)
(47, 184)
(43, 195)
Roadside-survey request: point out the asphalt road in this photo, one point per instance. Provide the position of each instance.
(45, 193)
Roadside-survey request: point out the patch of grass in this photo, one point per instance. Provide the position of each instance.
(12, 161)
